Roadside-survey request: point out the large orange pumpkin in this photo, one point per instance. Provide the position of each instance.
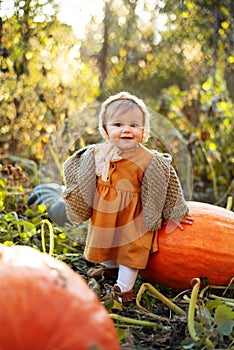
(45, 305)
(204, 249)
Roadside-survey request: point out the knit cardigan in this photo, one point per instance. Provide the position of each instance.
(162, 195)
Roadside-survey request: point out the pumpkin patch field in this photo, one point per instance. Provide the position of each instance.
(61, 64)
(185, 296)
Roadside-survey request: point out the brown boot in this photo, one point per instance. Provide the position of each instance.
(115, 293)
(99, 272)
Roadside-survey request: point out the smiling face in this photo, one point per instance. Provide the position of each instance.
(124, 125)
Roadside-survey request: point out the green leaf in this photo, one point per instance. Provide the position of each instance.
(28, 227)
(24, 236)
(224, 319)
(206, 316)
(29, 212)
(3, 183)
(10, 217)
(226, 328)
(8, 243)
(41, 208)
(211, 305)
(121, 333)
(62, 237)
(108, 304)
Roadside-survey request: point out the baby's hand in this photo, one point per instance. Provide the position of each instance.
(187, 219)
(176, 222)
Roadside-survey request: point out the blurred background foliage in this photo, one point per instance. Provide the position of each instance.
(177, 56)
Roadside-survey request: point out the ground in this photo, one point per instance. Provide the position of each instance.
(167, 330)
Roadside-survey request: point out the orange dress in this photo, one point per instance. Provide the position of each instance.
(117, 230)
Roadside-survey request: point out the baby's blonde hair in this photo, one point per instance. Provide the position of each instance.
(122, 102)
(120, 107)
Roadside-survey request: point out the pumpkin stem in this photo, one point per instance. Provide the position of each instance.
(48, 223)
(158, 295)
(132, 321)
(191, 310)
(17, 221)
(226, 195)
(229, 285)
(191, 314)
(229, 203)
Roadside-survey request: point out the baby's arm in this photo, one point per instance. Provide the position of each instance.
(80, 181)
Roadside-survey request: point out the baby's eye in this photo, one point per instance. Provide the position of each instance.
(118, 125)
(134, 125)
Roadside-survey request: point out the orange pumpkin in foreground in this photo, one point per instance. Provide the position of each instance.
(45, 305)
(204, 249)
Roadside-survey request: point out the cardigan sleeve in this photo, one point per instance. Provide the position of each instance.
(154, 190)
(175, 205)
(80, 181)
(162, 195)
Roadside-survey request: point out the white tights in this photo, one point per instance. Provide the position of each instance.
(126, 277)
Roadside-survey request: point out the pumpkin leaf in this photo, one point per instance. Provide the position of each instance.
(121, 333)
(211, 305)
(28, 226)
(29, 212)
(224, 319)
(206, 316)
(108, 304)
(226, 328)
(41, 208)
(3, 183)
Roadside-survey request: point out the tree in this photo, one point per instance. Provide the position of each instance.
(43, 79)
(150, 45)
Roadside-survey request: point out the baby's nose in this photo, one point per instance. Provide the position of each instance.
(126, 128)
